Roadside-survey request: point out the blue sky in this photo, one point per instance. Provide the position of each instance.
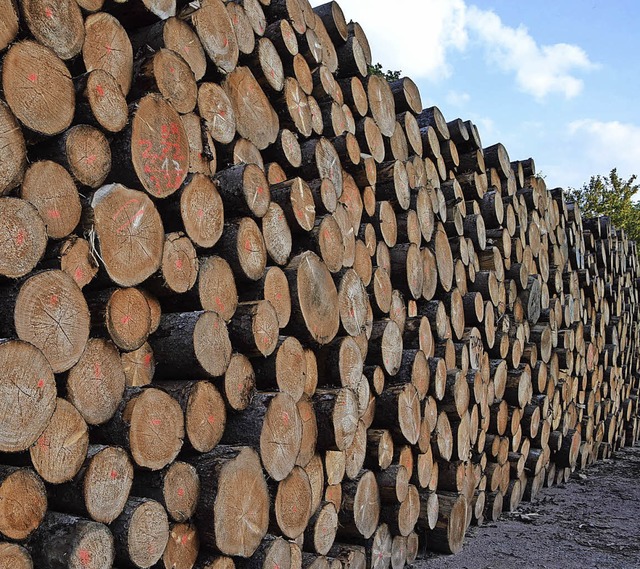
(555, 80)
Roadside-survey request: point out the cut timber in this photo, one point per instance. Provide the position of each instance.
(101, 487)
(322, 528)
(337, 416)
(179, 263)
(139, 366)
(177, 36)
(216, 32)
(101, 101)
(360, 507)
(314, 297)
(233, 512)
(9, 23)
(128, 318)
(130, 233)
(150, 423)
(169, 74)
(202, 211)
(23, 502)
(381, 104)
(60, 450)
(216, 287)
(23, 237)
(176, 487)
(38, 88)
(52, 314)
(242, 244)
(96, 383)
(25, 371)
(215, 108)
(183, 545)
(192, 344)
(204, 411)
(15, 556)
(141, 533)
(256, 120)
(107, 47)
(157, 148)
(60, 27)
(448, 535)
(272, 422)
(50, 188)
(69, 541)
(292, 505)
(13, 159)
(244, 190)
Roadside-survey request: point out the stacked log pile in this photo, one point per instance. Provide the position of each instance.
(260, 309)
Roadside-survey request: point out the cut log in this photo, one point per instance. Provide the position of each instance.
(23, 236)
(130, 233)
(216, 32)
(96, 383)
(202, 211)
(256, 120)
(140, 532)
(51, 313)
(50, 188)
(48, 83)
(176, 487)
(61, 449)
(360, 507)
(232, 481)
(19, 519)
(64, 540)
(193, 344)
(15, 556)
(149, 423)
(107, 47)
(101, 487)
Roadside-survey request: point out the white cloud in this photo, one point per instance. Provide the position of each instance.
(418, 36)
(409, 35)
(608, 145)
(457, 98)
(539, 69)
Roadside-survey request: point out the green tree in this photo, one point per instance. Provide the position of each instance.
(388, 75)
(613, 196)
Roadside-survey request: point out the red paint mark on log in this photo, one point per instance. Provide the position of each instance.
(285, 418)
(126, 319)
(211, 419)
(179, 264)
(84, 556)
(48, 12)
(54, 299)
(114, 474)
(200, 213)
(90, 159)
(20, 237)
(147, 360)
(44, 442)
(40, 383)
(97, 370)
(108, 48)
(219, 303)
(33, 77)
(53, 214)
(181, 492)
(184, 539)
(156, 422)
(100, 90)
(79, 274)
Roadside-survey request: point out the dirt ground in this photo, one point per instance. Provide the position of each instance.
(592, 522)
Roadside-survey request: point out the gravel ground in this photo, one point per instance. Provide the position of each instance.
(592, 522)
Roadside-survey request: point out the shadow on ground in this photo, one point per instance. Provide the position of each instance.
(592, 522)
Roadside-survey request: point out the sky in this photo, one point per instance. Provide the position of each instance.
(558, 81)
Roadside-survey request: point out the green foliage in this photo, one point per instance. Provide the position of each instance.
(611, 195)
(388, 75)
